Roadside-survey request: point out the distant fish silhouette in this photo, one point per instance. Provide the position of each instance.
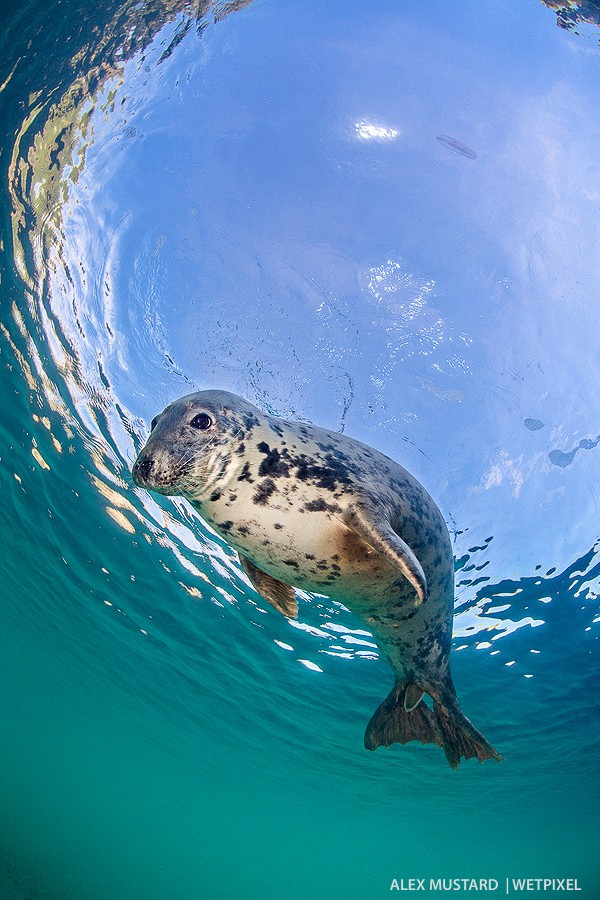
(562, 459)
(533, 424)
(456, 146)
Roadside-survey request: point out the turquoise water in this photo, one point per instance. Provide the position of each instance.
(381, 218)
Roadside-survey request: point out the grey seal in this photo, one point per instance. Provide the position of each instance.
(313, 509)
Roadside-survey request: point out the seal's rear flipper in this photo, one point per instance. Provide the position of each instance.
(459, 736)
(392, 723)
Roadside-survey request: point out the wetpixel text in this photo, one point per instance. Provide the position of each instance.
(507, 886)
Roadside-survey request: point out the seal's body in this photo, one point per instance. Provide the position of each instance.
(309, 508)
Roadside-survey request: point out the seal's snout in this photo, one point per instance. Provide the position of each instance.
(142, 471)
(155, 471)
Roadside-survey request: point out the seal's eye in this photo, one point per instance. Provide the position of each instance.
(201, 421)
(153, 423)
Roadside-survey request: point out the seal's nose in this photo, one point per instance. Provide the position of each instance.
(142, 470)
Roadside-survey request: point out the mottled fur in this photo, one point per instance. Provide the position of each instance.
(316, 510)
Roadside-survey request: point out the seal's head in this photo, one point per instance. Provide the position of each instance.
(190, 443)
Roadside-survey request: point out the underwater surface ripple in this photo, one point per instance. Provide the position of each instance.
(403, 246)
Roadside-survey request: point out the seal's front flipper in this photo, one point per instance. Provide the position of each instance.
(392, 723)
(378, 533)
(278, 594)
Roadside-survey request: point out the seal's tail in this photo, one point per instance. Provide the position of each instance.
(404, 716)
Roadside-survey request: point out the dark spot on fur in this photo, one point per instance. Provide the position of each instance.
(245, 476)
(291, 562)
(277, 526)
(310, 556)
(316, 505)
(408, 615)
(224, 464)
(335, 557)
(226, 526)
(272, 464)
(327, 476)
(232, 498)
(321, 506)
(322, 565)
(216, 495)
(265, 489)
(333, 452)
(243, 529)
(241, 449)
